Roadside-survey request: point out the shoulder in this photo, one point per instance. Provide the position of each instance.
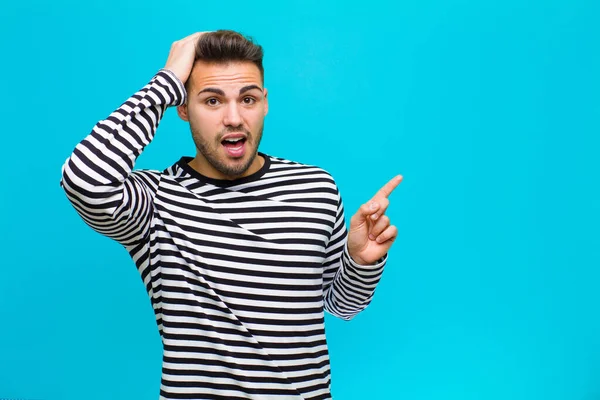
(147, 177)
(147, 174)
(282, 166)
(305, 178)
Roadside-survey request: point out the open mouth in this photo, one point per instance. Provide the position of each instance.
(235, 147)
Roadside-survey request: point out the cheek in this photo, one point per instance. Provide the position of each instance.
(256, 118)
(204, 119)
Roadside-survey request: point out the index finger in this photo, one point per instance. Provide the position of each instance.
(389, 187)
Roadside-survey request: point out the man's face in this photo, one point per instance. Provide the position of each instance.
(226, 109)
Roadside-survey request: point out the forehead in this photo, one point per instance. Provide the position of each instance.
(230, 75)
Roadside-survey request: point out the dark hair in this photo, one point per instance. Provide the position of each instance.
(224, 46)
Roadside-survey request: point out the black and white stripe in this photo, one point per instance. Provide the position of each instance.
(238, 272)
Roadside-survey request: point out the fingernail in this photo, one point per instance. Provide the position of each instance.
(374, 217)
(371, 237)
(378, 240)
(373, 205)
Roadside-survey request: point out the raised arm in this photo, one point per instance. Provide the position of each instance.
(98, 177)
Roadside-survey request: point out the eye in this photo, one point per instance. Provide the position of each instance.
(249, 100)
(211, 101)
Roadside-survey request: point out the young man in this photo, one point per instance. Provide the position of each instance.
(240, 252)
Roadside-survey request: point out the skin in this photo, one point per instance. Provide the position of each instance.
(240, 106)
(224, 99)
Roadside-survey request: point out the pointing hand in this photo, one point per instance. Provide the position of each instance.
(371, 234)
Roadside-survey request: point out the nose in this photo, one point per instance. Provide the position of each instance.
(232, 115)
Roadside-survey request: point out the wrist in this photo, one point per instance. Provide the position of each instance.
(178, 83)
(358, 261)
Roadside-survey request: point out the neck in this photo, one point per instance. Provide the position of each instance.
(203, 167)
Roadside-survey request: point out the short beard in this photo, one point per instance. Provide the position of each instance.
(211, 153)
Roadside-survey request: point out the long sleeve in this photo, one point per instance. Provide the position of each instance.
(348, 287)
(98, 177)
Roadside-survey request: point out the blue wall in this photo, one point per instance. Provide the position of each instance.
(488, 108)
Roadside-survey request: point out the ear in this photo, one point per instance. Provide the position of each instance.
(182, 111)
(266, 92)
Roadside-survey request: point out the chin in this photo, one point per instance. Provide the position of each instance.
(236, 167)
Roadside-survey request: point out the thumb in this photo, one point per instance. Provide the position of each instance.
(363, 213)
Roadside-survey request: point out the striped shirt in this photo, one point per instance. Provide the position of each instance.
(239, 273)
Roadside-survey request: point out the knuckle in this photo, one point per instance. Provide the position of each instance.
(384, 221)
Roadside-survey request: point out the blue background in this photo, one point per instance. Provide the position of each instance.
(488, 108)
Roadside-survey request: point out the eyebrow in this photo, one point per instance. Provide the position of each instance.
(222, 93)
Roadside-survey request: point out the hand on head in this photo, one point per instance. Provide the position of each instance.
(182, 56)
